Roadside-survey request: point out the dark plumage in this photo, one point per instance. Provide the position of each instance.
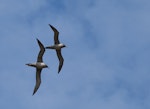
(57, 46)
(39, 65)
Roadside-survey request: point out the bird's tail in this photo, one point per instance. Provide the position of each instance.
(49, 47)
(30, 65)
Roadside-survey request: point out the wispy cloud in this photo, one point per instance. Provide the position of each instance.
(106, 58)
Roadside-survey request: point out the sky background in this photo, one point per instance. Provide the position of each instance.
(106, 59)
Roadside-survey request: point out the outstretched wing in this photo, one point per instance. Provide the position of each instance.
(61, 60)
(56, 34)
(41, 52)
(38, 80)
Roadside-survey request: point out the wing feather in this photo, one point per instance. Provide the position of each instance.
(38, 80)
(56, 34)
(61, 60)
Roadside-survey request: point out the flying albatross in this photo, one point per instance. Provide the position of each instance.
(39, 65)
(57, 46)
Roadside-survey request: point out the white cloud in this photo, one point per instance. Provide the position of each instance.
(108, 68)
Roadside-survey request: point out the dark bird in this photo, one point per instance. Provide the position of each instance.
(39, 65)
(57, 46)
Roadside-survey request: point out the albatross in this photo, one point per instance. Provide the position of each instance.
(57, 46)
(39, 65)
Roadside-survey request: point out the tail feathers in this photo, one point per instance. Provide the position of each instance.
(31, 65)
(50, 47)
(28, 64)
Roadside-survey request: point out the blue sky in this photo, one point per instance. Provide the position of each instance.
(106, 59)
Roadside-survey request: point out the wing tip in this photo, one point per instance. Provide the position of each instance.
(51, 26)
(40, 43)
(38, 40)
(33, 92)
(59, 69)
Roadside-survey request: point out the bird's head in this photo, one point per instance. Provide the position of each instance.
(46, 66)
(64, 46)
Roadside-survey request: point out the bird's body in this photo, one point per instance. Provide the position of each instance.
(39, 65)
(57, 46)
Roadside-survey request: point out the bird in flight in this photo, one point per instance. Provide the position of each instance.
(57, 46)
(39, 65)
